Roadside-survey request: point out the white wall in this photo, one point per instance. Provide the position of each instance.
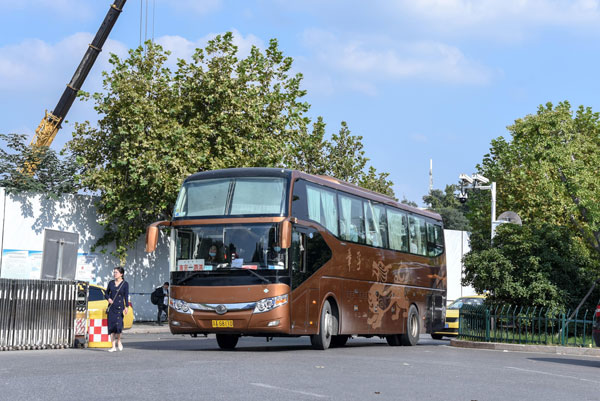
(23, 219)
(457, 244)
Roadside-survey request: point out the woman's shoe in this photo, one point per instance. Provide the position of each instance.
(120, 347)
(113, 349)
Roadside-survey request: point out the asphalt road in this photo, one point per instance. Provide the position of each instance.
(166, 367)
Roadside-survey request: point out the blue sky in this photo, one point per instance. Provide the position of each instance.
(418, 79)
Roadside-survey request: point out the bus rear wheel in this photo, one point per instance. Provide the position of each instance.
(227, 341)
(393, 340)
(339, 341)
(411, 337)
(327, 328)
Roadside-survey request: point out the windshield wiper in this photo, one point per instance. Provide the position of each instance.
(258, 275)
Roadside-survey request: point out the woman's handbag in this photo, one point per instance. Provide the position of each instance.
(116, 293)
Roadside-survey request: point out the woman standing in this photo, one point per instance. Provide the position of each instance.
(117, 294)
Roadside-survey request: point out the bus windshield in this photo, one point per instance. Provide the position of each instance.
(229, 247)
(242, 196)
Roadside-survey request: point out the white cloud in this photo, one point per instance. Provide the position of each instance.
(182, 48)
(507, 18)
(34, 63)
(361, 63)
(420, 138)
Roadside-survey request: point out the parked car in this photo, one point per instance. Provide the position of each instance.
(596, 326)
(452, 311)
(97, 301)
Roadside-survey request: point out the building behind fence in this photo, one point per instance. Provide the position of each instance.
(526, 325)
(24, 218)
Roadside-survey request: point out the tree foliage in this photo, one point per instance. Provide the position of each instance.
(533, 265)
(215, 111)
(52, 176)
(547, 174)
(446, 204)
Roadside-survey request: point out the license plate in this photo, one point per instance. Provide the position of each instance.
(222, 323)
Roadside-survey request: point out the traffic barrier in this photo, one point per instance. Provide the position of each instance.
(531, 325)
(98, 336)
(37, 314)
(81, 315)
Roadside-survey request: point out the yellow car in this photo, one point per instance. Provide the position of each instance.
(97, 301)
(451, 326)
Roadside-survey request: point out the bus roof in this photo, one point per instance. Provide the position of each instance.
(317, 179)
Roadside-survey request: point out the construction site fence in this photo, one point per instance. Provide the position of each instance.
(526, 325)
(37, 314)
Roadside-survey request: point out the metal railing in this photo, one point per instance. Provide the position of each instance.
(37, 314)
(526, 325)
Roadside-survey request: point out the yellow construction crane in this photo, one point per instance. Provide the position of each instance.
(48, 128)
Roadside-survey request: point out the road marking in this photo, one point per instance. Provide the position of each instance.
(552, 374)
(289, 390)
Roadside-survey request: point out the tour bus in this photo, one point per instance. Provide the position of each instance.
(275, 252)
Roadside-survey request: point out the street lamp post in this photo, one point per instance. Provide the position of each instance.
(477, 181)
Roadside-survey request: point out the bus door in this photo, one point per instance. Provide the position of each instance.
(308, 252)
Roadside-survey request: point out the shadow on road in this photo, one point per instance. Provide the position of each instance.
(567, 361)
(253, 344)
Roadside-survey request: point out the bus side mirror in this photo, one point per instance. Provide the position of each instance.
(286, 234)
(152, 235)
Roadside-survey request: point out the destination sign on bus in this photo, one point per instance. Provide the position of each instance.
(184, 265)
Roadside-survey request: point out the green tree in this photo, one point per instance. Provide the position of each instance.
(305, 151)
(408, 202)
(547, 172)
(533, 265)
(53, 176)
(446, 204)
(215, 111)
(346, 160)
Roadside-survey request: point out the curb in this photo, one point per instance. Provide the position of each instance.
(546, 349)
(148, 328)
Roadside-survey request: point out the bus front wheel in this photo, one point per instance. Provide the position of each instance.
(227, 341)
(411, 337)
(327, 329)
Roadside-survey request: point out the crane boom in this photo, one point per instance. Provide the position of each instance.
(48, 128)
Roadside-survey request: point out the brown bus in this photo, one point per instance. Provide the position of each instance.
(275, 252)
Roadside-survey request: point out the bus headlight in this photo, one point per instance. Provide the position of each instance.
(267, 304)
(180, 306)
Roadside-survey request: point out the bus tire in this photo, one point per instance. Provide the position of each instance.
(227, 341)
(393, 340)
(328, 324)
(339, 341)
(411, 337)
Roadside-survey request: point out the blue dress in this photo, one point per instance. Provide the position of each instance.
(120, 296)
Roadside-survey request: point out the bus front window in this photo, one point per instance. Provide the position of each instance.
(229, 247)
(245, 196)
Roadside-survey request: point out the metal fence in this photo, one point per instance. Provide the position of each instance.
(37, 314)
(526, 325)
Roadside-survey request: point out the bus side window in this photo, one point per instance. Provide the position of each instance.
(309, 253)
(184, 244)
(435, 240)
(297, 252)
